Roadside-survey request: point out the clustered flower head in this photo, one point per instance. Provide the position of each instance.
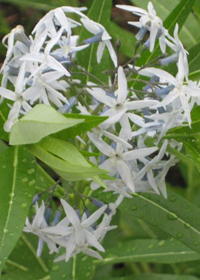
(75, 233)
(40, 70)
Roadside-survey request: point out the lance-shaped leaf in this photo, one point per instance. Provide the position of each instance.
(175, 215)
(64, 150)
(68, 169)
(148, 250)
(17, 172)
(40, 122)
(79, 129)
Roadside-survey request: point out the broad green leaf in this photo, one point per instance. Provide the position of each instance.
(79, 129)
(65, 169)
(127, 39)
(40, 122)
(175, 215)
(148, 250)
(155, 277)
(179, 15)
(99, 12)
(164, 8)
(23, 262)
(18, 173)
(79, 267)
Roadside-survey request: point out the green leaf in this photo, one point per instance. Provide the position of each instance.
(79, 267)
(79, 129)
(155, 277)
(64, 150)
(65, 169)
(23, 262)
(164, 8)
(40, 122)
(148, 250)
(18, 173)
(175, 215)
(99, 12)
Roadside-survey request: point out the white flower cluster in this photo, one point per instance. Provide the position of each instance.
(37, 65)
(39, 69)
(75, 233)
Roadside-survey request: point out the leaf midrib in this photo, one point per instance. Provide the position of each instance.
(126, 258)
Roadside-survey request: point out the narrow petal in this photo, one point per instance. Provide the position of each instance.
(101, 145)
(92, 241)
(112, 52)
(135, 105)
(140, 153)
(94, 217)
(125, 174)
(101, 96)
(122, 86)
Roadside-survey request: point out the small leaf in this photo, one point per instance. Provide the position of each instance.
(65, 169)
(40, 122)
(79, 129)
(64, 150)
(18, 173)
